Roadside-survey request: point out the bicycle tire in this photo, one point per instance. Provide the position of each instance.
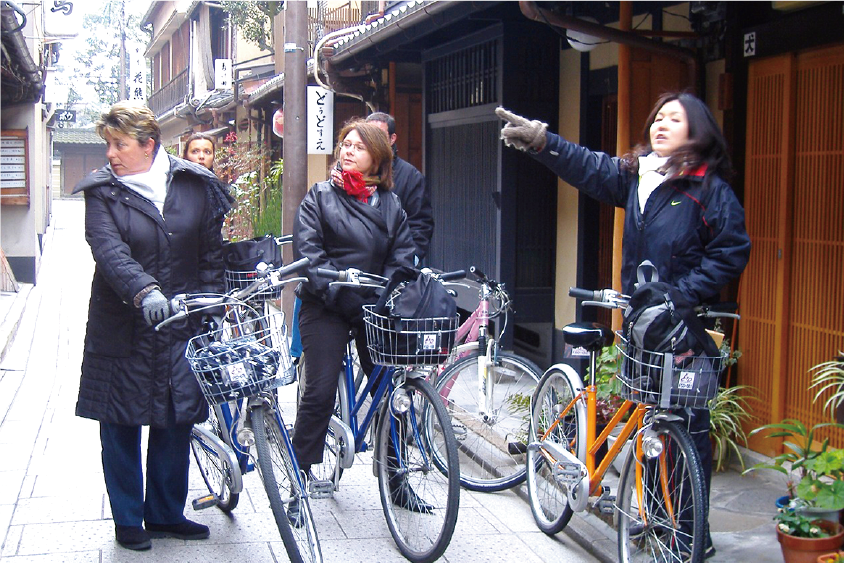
(491, 446)
(549, 498)
(666, 534)
(421, 536)
(283, 483)
(215, 472)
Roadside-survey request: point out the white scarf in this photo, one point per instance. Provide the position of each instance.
(649, 178)
(151, 184)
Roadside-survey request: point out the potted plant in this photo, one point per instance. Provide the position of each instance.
(815, 470)
(829, 376)
(608, 398)
(803, 539)
(835, 557)
(727, 411)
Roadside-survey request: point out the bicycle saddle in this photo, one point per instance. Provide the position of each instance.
(592, 336)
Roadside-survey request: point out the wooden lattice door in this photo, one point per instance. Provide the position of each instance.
(791, 300)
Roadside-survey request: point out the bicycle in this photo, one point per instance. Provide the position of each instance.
(660, 507)
(411, 432)
(239, 361)
(487, 391)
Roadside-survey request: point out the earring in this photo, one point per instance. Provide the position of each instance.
(146, 155)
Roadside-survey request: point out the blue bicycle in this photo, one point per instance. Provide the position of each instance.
(412, 437)
(239, 360)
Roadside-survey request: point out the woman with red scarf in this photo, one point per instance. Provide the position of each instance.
(359, 225)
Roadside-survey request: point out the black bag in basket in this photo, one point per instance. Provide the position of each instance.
(421, 309)
(659, 319)
(244, 255)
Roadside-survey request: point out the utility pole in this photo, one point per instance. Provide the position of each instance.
(121, 95)
(294, 150)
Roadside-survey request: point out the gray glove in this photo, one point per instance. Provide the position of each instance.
(155, 307)
(520, 133)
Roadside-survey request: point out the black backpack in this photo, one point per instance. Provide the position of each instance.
(244, 255)
(658, 320)
(420, 315)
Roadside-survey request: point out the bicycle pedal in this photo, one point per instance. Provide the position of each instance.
(606, 505)
(321, 489)
(205, 502)
(459, 431)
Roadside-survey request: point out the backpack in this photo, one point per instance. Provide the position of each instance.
(417, 319)
(244, 255)
(658, 320)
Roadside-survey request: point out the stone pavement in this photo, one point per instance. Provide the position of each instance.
(53, 504)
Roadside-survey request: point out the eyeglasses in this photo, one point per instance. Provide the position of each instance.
(359, 147)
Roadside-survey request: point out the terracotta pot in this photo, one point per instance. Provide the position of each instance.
(807, 550)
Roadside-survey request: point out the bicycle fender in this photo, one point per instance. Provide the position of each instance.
(224, 453)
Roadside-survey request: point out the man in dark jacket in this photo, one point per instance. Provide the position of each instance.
(409, 184)
(154, 226)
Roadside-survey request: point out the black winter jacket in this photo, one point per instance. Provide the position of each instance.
(410, 186)
(692, 228)
(131, 374)
(336, 231)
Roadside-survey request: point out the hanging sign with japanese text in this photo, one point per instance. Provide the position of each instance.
(137, 80)
(320, 120)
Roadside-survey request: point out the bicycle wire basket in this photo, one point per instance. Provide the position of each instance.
(693, 382)
(394, 341)
(242, 359)
(236, 279)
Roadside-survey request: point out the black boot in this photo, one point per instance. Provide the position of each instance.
(401, 493)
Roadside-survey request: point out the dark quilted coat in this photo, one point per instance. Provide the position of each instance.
(131, 374)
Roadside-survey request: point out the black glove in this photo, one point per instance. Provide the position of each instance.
(350, 305)
(520, 133)
(155, 307)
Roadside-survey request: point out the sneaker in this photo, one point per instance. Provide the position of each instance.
(186, 530)
(132, 537)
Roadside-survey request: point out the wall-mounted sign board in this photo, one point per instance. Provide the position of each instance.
(14, 167)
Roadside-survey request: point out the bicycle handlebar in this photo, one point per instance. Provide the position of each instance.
(184, 304)
(611, 299)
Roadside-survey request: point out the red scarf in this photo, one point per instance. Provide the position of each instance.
(355, 185)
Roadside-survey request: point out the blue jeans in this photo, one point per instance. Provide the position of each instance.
(168, 463)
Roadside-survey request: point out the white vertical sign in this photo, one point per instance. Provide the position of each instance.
(222, 74)
(137, 82)
(320, 120)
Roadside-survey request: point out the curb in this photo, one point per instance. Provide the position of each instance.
(9, 325)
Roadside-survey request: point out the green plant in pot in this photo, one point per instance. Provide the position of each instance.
(803, 539)
(829, 376)
(608, 386)
(815, 471)
(727, 412)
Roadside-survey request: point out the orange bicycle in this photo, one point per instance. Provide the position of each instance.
(660, 503)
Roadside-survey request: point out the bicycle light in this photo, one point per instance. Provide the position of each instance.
(399, 402)
(652, 446)
(244, 433)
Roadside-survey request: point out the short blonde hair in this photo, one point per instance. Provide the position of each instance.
(130, 119)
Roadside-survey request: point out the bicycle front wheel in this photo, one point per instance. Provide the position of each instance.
(420, 501)
(491, 441)
(216, 472)
(548, 492)
(661, 514)
(285, 488)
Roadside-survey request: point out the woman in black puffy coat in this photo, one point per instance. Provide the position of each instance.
(154, 226)
(680, 212)
(360, 225)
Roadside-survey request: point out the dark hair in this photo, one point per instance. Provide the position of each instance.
(377, 146)
(198, 137)
(706, 144)
(382, 117)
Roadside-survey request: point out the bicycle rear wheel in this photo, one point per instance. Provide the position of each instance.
(549, 494)
(284, 485)
(492, 444)
(420, 501)
(216, 472)
(668, 523)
